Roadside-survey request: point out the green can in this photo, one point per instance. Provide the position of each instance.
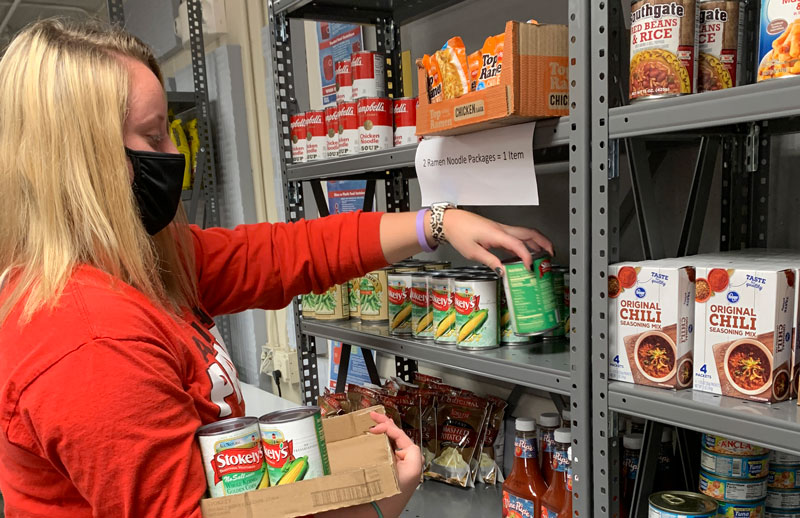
(373, 303)
(354, 292)
(558, 273)
(444, 312)
(309, 305)
(507, 336)
(399, 295)
(531, 300)
(475, 301)
(421, 309)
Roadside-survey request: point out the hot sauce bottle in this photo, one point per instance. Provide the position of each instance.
(566, 511)
(559, 495)
(549, 422)
(524, 487)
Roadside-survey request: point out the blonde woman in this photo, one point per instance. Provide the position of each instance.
(109, 359)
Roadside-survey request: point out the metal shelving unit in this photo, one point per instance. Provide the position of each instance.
(560, 368)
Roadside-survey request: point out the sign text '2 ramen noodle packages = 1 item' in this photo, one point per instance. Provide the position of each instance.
(651, 306)
(720, 39)
(663, 48)
(779, 39)
(744, 314)
(453, 68)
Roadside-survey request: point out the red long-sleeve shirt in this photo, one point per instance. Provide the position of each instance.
(101, 397)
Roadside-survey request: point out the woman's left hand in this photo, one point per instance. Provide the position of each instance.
(408, 454)
(472, 236)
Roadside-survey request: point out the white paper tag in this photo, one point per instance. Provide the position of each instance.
(492, 167)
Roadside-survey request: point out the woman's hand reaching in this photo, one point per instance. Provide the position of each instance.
(407, 454)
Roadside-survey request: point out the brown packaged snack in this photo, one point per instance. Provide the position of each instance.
(361, 397)
(428, 424)
(460, 421)
(404, 410)
(425, 381)
(489, 471)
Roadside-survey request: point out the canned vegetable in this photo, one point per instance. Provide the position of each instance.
(475, 301)
(334, 304)
(373, 300)
(294, 445)
(232, 456)
(531, 301)
(421, 309)
(444, 312)
(399, 302)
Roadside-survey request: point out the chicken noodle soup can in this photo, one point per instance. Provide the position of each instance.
(734, 466)
(444, 312)
(332, 130)
(344, 81)
(475, 301)
(373, 300)
(663, 45)
(348, 129)
(741, 509)
(333, 304)
(294, 445)
(399, 294)
(784, 477)
(232, 456)
(727, 446)
(732, 489)
(421, 309)
(719, 43)
(298, 134)
(681, 504)
(374, 123)
(531, 301)
(783, 499)
(405, 121)
(316, 136)
(369, 79)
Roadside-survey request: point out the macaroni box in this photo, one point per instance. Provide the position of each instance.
(651, 328)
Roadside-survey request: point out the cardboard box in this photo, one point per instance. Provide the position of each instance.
(534, 84)
(651, 328)
(362, 466)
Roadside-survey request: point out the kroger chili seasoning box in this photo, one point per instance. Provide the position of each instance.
(744, 312)
(651, 331)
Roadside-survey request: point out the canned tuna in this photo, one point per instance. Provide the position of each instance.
(405, 121)
(369, 80)
(298, 134)
(784, 477)
(727, 446)
(787, 459)
(399, 303)
(344, 81)
(332, 130)
(681, 504)
(734, 466)
(316, 136)
(294, 445)
(421, 310)
(732, 490)
(475, 301)
(348, 129)
(232, 456)
(783, 499)
(741, 509)
(374, 123)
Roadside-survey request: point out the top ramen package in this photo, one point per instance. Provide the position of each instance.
(434, 78)
(460, 422)
(485, 64)
(452, 61)
(651, 330)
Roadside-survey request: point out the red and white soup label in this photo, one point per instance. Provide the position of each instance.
(316, 136)
(297, 125)
(349, 143)
(332, 130)
(405, 121)
(368, 74)
(374, 123)
(344, 81)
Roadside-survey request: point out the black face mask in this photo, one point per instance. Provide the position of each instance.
(157, 185)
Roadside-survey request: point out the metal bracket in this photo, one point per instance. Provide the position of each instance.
(613, 159)
(751, 146)
(116, 13)
(405, 368)
(698, 195)
(388, 34)
(644, 199)
(344, 368)
(282, 32)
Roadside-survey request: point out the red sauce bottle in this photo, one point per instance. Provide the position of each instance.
(559, 495)
(548, 423)
(631, 451)
(524, 487)
(566, 511)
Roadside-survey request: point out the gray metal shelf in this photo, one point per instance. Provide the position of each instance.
(402, 11)
(756, 102)
(541, 366)
(775, 426)
(549, 133)
(437, 499)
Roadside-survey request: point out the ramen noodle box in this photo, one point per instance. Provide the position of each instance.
(460, 422)
(719, 40)
(368, 74)
(779, 39)
(316, 136)
(651, 328)
(452, 62)
(663, 42)
(405, 121)
(348, 129)
(232, 457)
(294, 445)
(374, 123)
(297, 126)
(434, 78)
(344, 81)
(743, 344)
(332, 130)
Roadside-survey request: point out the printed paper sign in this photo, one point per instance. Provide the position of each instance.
(357, 371)
(346, 195)
(492, 167)
(336, 42)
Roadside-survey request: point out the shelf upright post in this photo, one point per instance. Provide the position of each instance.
(116, 13)
(284, 99)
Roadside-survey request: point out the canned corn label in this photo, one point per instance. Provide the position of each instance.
(421, 310)
(531, 300)
(732, 490)
(294, 450)
(783, 499)
(399, 295)
(741, 510)
(476, 313)
(784, 477)
(444, 313)
(233, 461)
(734, 466)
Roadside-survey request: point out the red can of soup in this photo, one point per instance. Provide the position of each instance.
(374, 123)
(405, 121)
(344, 81)
(316, 136)
(368, 74)
(332, 130)
(348, 129)
(297, 125)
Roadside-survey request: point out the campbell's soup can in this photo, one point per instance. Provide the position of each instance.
(294, 445)
(344, 81)
(316, 136)
(349, 143)
(405, 121)
(369, 80)
(297, 125)
(232, 456)
(374, 123)
(332, 130)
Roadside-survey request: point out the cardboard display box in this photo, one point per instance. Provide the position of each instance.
(534, 84)
(362, 471)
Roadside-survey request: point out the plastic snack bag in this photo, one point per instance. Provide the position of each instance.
(452, 60)
(489, 63)
(434, 78)
(489, 471)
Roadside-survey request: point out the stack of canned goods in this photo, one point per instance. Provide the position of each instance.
(735, 474)
(363, 119)
(246, 453)
(783, 487)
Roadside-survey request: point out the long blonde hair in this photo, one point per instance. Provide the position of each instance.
(66, 194)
